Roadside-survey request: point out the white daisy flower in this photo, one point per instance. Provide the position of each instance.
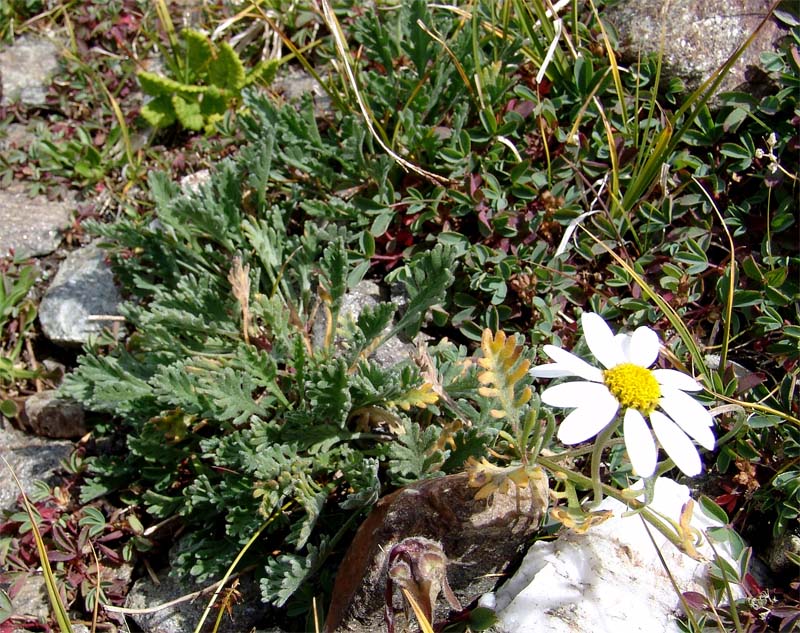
(629, 385)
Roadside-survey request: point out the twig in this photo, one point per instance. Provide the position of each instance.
(180, 600)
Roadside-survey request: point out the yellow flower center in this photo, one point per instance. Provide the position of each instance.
(633, 386)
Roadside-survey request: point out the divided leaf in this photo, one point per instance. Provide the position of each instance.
(287, 573)
(426, 279)
(333, 285)
(505, 376)
(419, 397)
(415, 454)
(328, 393)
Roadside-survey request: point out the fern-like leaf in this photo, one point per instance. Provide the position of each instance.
(371, 324)
(333, 285)
(328, 392)
(287, 573)
(426, 280)
(414, 455)
(505, 377)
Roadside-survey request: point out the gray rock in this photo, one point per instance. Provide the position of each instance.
(700, 35)
(184, 616)
(31, 458)
(82, 290)
(32, 601)
(26, 68)
(31, 226)
(16, 136)
(365, 293)
(778, 555)
(293, 82)
(193, 182)
(48, 415)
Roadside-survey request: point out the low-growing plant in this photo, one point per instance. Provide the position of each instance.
(87, 549)
(14, 12)
(206, 80)
(754, 609)
(230, 402)
(17, 314)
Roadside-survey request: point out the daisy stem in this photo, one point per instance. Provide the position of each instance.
(756, 407)
(597, 455)
(585, 450)
(585, 482)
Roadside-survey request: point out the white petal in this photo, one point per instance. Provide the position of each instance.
(587, 421)
(678, 446)
(600, 339)
(578, 366)
(676, 380)
(639, 443)
(550, 370)
(693, 427)
(624, 341)
(684, 409)
(643, 347)
(576, 394)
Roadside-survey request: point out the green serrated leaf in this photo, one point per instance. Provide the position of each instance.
(259, 160)
(328, 393)
(188, 113)
(413, 455)
(226, 70)
(426, 280)
(373, 320)
(159, 112)
(333, 284)
(312, 497)
(287, 573)
(161, 506)
(159, 85)
(230, 395)
(199, 53)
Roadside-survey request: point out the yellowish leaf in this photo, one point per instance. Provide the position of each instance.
(419, 397)
(504, 370)
(579, 521)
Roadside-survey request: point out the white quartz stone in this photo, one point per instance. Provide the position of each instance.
(607, 580)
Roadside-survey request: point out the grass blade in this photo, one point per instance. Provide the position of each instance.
(341, 47)
(59, 610)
